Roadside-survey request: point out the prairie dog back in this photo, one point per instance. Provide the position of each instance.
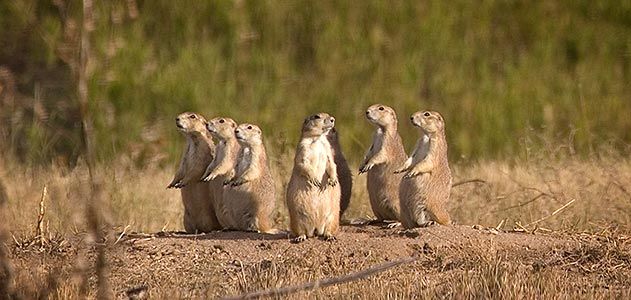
(345, 177)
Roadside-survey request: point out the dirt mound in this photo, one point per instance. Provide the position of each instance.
(450, 261)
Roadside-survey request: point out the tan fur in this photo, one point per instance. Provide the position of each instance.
(223, 165)
(385, 155)
(199, 213)
(345, 177)
(313, 195)
(250, 194)
(426, 185)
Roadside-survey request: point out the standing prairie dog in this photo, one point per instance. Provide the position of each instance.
(344, 174)
(223, 165)
(250, 195)
(426, 185)
(199, 213)
(313, 195)
(385, 155)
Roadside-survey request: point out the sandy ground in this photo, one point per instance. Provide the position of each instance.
(230, 263)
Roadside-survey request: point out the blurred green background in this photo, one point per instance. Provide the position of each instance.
(509, 76)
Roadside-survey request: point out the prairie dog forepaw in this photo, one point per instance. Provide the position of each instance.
(410, 174)
(209, 177)
(238, 181)
(365, 168)
(315, 183)
(397, 171)
(332, 182)
(176, 185)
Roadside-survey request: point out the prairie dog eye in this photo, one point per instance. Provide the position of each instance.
(249, 127)
(222, 121)
(193, 116)
(426, 114)
(381, 108)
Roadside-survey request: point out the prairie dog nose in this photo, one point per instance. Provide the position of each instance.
(237, 131)
(367, 112)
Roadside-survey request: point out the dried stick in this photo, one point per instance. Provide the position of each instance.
(468, 181)
(553, 213)
(325, 282)
(533, 199)
(39, 230)
(92, 208)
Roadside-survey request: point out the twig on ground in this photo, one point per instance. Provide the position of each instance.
(122, 234)
(468, 181)
(499, 226)
(521, 227)
(553, 213)
(164, 228)
(541, 194)
(325, 282)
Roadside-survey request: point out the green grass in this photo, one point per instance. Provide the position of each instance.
(505, 74)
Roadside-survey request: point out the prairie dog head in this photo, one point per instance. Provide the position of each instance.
(248, 134)
(317, 125)
(429, 121)
(381, 115)
(189, 122)
(221, 128)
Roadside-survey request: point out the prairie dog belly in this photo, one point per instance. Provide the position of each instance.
(317, 157)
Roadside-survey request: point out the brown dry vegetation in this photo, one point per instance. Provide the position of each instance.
(539, 251)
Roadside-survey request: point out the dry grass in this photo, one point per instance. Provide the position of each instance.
(504, 192)
(509, 194)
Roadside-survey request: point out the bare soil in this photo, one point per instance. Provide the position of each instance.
(450, 260)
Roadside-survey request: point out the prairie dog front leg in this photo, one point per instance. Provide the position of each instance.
(424, 166)
(372, 158)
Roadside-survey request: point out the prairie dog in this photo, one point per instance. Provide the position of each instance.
(426, 185)
(250, 195)
(313, 195)
(199, 213)
(385, 155)
(344, 174)
(223, 165)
